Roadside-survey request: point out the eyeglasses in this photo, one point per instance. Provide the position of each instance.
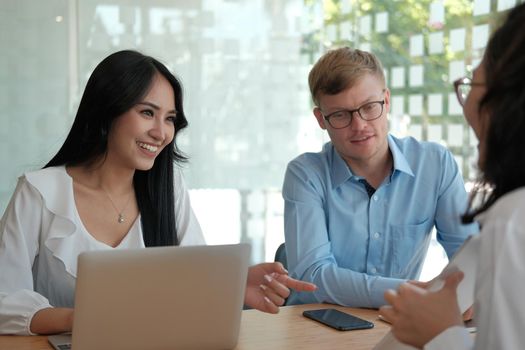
(463, 87)
(342, 118)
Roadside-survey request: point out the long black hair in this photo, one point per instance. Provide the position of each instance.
(118, 82)
(503, 168)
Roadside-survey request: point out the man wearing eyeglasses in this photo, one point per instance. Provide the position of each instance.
(359, 214)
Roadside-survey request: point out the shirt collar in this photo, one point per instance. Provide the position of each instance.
(400, 161)
(341, 172)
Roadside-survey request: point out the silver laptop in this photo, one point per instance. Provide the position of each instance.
(158, 298)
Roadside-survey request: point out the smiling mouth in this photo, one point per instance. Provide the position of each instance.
(147, 147)
(361, 139)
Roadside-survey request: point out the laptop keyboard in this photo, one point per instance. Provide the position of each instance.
(64, 346)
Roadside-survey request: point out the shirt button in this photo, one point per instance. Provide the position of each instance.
(376, 198)
(373, 270)
(376, 235)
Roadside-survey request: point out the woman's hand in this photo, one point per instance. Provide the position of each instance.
(269, 285)
(467, 315)
(417, 315)
(52, 320)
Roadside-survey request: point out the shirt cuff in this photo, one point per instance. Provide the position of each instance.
(456, 337)
(379, 287)
(17, 311)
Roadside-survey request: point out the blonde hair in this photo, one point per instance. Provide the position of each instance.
(340, 69)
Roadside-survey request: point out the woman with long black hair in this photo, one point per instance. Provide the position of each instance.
(113, 184)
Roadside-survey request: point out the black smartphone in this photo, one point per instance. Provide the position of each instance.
(337, 319)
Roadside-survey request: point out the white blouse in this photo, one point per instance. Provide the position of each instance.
(41, 236)
(499, 310)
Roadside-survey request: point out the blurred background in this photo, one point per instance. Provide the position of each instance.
(244, 66)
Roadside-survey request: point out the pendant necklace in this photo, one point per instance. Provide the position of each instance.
(120, 218)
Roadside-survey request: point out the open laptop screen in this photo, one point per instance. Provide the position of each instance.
(157, 298)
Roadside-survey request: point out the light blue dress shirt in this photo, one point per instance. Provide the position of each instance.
(353, 246)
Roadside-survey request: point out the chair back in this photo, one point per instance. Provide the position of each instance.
(280, 255)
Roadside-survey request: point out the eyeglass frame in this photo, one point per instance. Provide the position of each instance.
(464, 81)
(351, 113)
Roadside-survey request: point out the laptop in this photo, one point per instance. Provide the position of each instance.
(158, 298)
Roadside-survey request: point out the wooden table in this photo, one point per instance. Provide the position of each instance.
(286, 330)
(291, 330)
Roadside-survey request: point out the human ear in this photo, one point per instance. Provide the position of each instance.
(387, 101)
(320, 118)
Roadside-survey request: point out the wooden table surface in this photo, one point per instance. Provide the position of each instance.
(286, 330)
(291, 330)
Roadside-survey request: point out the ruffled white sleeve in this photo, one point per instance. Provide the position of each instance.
(457, 338)
(188, 229)
(19, 245)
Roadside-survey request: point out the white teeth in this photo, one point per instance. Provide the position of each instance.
(148, 147)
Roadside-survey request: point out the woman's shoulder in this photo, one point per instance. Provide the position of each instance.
(55, 187)
(47, 175)
(42, 180)
(509, 207)
(178, 178)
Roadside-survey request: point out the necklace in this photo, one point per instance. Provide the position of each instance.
(120, 213)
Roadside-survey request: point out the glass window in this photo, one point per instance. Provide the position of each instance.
(244, 65)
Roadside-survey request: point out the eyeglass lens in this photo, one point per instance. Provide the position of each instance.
(463, 90)
(369, 111)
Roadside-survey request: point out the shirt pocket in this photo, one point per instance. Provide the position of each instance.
(409, 248)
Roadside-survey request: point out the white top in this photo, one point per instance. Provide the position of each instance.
(41, 236)
(500, 282)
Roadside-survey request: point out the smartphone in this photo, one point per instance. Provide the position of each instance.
(337, 319)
